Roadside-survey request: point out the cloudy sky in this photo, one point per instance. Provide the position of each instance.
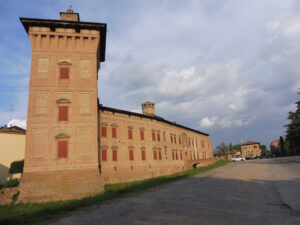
(230, 68)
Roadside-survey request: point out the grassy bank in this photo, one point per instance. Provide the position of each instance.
(32, 213)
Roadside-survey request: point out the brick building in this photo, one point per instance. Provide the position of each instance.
(251, 149)
(73, 144)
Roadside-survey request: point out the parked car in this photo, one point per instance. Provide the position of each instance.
(237, 159)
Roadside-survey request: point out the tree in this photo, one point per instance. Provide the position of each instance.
(282, 146)
(264, 151)
(223, 147)
(293, 130)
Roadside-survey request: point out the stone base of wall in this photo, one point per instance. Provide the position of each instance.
(6, 195)
(207, 162)
(60, 185)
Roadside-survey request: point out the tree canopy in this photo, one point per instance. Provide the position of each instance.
(293, 130)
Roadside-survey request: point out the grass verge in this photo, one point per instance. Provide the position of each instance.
(33, 213)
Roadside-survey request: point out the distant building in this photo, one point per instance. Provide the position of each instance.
(12, 142)
(275, 143)
(251, 149)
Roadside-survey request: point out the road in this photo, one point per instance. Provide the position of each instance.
(244, 193)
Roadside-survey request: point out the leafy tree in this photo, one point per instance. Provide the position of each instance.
(264, 151)
(282, 146)
(223, 147)
(293, 130)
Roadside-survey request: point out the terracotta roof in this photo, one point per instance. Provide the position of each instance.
(250, 143)
(12, 129)
(157, 118)
(277, 140)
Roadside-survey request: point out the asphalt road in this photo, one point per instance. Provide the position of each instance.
(252, 193)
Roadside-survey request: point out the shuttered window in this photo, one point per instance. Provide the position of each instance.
(154, 154)
(143, 155)
(142, 135)
(104, 155)
(176, 156)
(158, 136)
(159, 155)
(175, 139)
(64, 73)
(181, 155)
(114, 132)
(173, 157)
(103, 132)
(131, 154)
(171, 139)
(63, 113)
(153, 136)
(179, 140)
(114, 155)
(130, 134)
(62, 149)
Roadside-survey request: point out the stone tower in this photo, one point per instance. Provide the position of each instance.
(61, 158)
(148, 108)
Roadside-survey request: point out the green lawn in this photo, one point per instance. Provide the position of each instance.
(33, 213)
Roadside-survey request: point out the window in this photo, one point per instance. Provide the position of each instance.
(176, 155)
(181, 155)
(63, 113)
(142, 135)
(114, 132)
(154, 155)
(189, 141)
(159, 155)
(175, 139)
(62, 149)
(179, 139)
(171, 138)
(103, 132)
(131, 154)
(64, 73)
(104, 155)
(130, 136)
(158, 136)
(114, 155)
(153, 136)
(143, 154)
(173, 155)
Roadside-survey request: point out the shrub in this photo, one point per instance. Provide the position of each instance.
(12, 183)
(16, 167)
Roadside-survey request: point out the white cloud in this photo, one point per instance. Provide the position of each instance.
(17, 122)
(208, 122)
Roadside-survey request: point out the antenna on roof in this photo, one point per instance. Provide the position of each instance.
(11, 111)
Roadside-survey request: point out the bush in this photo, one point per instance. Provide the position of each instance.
(12, 183)
(16, 167)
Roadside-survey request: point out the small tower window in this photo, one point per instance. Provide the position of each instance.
(62, 149)
(64, 73)
(63, 113)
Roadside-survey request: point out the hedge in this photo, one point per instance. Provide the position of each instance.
(16, 167)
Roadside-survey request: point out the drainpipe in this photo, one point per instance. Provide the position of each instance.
(99, 139)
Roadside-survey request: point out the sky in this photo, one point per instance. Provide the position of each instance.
(229, 68)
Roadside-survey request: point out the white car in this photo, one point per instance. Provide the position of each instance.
(237, 159)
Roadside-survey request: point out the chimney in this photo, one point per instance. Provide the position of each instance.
(148, 108)
(69, 15)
